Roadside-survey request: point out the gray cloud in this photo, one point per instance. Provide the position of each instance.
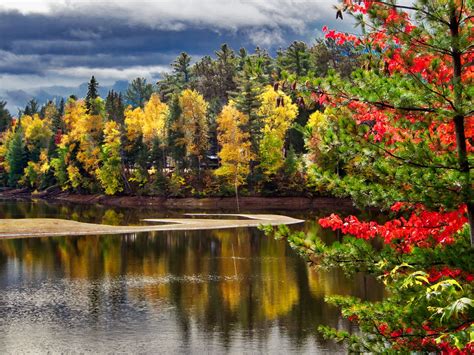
(62, 43)
(180, 14)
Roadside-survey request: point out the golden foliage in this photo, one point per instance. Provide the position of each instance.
(149, 122)
(37, 131)
(194, 122)
(277, 120)
(110, 171)
(235, 153)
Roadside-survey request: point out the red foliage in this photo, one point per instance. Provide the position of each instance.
(424, 229)
(58, 136)
(436, 274)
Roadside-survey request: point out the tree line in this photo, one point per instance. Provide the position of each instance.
(210, 127)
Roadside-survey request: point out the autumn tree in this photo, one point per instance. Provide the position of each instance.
(109, 171)
(37, 133)
(235, 153)
(278, 112)
(82, 142)
(194, 126)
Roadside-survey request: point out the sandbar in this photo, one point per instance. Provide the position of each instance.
(48, 227)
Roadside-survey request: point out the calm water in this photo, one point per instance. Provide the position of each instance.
(228, 291)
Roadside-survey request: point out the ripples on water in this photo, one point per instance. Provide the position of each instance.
(222, 291)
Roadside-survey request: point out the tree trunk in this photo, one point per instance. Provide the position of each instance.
(459, 122)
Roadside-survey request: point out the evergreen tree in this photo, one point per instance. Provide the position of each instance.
(296, 58)
(246, 99)
(138, 92)
(16, 157)
(31, 108)
(114, 107)
(92, 94)
(205, 74)
(5, 117)
(175, 134)
(242, 59)
(226, 70)
(181, 68)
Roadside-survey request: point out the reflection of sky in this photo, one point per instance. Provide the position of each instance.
(229, 290)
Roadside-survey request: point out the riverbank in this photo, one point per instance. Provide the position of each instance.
(209, 203)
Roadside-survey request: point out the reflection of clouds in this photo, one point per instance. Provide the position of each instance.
(165, 290)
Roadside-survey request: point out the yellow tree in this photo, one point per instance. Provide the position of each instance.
(149, 122)
(146, 130)
(155, 115)
(194, 124)
(134, 119)
(110, 171)
(278, 113)
(235, 153)
(80, 146)
(37, 133)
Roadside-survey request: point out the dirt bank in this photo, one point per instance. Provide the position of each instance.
(209, 203)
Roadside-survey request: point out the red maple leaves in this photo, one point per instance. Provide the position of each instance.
(424, 229)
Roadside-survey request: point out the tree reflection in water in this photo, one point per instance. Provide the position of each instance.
(220, 290)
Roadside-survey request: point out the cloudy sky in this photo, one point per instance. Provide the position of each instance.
(60, 43)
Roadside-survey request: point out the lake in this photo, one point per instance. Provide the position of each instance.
(220, 291)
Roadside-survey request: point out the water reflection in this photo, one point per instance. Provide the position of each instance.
(209, 291)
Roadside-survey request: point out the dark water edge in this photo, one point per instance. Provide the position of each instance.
(223, 291)
(248, 203)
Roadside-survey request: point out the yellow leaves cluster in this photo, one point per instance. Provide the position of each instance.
(194, 122)
(35, 171)
(235, 153)
(149, 122)
(84, 132)
(109, 173)
(277, 121)
(37, 131)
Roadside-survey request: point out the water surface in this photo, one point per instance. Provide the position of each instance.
(221, 291)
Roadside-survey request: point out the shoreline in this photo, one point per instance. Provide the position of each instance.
(247, 203)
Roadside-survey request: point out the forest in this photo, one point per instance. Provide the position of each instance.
(383, 117)
(208, 128)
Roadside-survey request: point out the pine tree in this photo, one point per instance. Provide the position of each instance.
(175, 133)
(114, 107)
(246, 99)
(226, 70)
(5, 117)
(16, 157)
(181, 67)
(138, 92)
(31, 108)
(92, 93)
(296, 58)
